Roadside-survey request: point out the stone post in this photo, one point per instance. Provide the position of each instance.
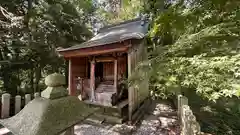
(17, 104)
(5, 105)
(185, 125)
(27, 98)
(56, 90)
(36, 95)
(182, 100)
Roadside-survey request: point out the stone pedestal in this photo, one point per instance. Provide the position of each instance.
(53, 113)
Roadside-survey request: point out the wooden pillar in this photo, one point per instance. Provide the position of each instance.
(130, 89)
(71, 90)
(92, 78)
(115, 74)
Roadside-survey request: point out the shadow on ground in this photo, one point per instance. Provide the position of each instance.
(159, 119)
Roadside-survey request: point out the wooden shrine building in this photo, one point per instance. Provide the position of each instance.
(100, 67)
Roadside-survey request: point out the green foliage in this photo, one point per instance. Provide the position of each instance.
(194, 48)
(129, 10)
(30, 36)
(220, 118)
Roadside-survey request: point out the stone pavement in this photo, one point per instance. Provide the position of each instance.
(160, 119)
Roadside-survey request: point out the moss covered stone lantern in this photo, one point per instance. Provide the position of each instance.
(51, 114)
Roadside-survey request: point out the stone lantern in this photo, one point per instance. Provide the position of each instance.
(53, 113)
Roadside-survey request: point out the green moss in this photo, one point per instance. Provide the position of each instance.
(54, 92)
(47, 117)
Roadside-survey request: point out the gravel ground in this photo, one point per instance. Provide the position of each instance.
(160, 120)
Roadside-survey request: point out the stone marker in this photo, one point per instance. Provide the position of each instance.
(54, 113)
(27, 98)
(17, 104)
(36, 95)
(5, 105)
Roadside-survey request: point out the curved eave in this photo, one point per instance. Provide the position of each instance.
(96, 50)
(95, 43)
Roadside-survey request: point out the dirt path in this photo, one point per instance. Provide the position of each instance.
(160, 119)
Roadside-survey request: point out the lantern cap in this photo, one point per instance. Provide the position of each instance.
(55, 80)
(55, 87)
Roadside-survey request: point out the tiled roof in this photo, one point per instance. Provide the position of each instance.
(132, 29)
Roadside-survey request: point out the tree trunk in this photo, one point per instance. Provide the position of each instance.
(37, 78)
(30, 4)
(5, 78)
(4, 71)
(32, 79)
(55, 68)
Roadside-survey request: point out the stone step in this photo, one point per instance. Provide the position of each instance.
(119, 110)
(95, 119)
(112, 119)
(104, 88)
(99, 118)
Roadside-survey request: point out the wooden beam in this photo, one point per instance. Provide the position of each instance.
(86, 53)
(104, 49)
(105, 59)
(92, 78)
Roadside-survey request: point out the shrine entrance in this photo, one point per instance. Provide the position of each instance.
(99, 79)
(99, 68)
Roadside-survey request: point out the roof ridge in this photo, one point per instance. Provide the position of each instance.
(118, 24)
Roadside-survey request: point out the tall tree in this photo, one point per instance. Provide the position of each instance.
(114, 11)
(32, 34)
(195, 48)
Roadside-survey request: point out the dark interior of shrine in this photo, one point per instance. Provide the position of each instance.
(109, 79)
